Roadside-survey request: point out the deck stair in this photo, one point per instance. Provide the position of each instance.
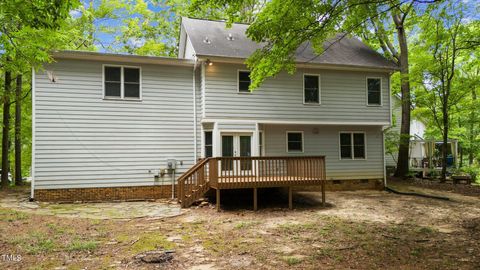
(194, 183)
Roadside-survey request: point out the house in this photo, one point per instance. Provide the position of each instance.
(422, 150)
(109, 126)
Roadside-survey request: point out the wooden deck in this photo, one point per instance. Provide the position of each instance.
(250, 172)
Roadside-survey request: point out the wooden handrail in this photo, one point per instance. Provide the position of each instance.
(193, 183)
(249, 172)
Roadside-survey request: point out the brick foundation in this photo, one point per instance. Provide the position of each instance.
(165, 191)
(104, 194)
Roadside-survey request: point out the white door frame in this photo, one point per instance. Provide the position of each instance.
(236, 145)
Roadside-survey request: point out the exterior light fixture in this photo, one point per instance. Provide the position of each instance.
(208, 62)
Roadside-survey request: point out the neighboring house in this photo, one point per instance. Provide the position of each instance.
(106, 126)
(417, 130)
(419, 145)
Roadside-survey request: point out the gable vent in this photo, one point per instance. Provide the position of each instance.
(206, 40)
(230, 37)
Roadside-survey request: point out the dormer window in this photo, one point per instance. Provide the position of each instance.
(244, 81)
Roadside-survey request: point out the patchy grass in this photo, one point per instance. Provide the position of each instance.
(292, 260)
(245, 224)
(12, 215)
(82, 245)
(151, 241)
(37, 243)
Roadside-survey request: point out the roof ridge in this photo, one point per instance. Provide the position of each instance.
(218, 21)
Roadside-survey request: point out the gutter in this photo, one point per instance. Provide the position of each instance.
(238, 60)
(194, 112)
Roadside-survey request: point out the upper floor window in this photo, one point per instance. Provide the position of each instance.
(243, 81)
(374, 91)
(352, 145)
(311, 89)
(122, 82)
(294, 141)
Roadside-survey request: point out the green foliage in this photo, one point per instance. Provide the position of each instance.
(473, 171)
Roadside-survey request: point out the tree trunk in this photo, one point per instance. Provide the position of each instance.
(404, 146)
(471, 136)
(445, 137)
(18, 132)
(5, 129)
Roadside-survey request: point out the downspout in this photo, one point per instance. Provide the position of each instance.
(384, 162)
(32, 176)
(194, 112)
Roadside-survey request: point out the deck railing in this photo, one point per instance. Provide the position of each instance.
(267, 171)
(249, 172)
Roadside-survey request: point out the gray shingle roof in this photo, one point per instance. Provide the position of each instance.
(210, 38)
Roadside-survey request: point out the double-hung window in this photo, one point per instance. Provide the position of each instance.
(352, 145)
(374, 91)
(121, 82)
(311, 89)
(244, 81)
(294, 141)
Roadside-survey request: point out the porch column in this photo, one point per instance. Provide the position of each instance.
(255, 141)
(216, 140)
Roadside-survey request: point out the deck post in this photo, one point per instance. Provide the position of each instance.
(255, 201)
(323, 193)
(218, 199)
(290, 197)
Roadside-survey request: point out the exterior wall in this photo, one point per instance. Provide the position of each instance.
(326, 142)
(84, 141)
(343, 97)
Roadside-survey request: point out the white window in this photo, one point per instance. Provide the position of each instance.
(374, 91)
(260, 143)
(294, 141)
(311, 89)
(208, 143)
(352, 145)
(244, 81)
(121, 82)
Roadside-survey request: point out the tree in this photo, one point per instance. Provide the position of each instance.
(28, 31)
(18, 130)
(440, 48)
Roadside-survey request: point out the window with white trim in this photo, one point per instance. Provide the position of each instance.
(311, 89)
(208, 144)
(294, 141)
(352, 145)
(374, 91)
(244, 81)
(121, 82)
(260, 143)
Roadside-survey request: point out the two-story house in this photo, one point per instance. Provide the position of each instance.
(110, 126)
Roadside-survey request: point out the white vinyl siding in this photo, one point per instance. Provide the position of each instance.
(82, 140)
(343, 97)
(325, 142)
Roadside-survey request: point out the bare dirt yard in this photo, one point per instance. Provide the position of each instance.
(356, 230)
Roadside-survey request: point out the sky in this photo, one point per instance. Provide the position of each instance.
(106, 41)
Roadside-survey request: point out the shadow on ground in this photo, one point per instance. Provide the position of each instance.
(268, 198)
